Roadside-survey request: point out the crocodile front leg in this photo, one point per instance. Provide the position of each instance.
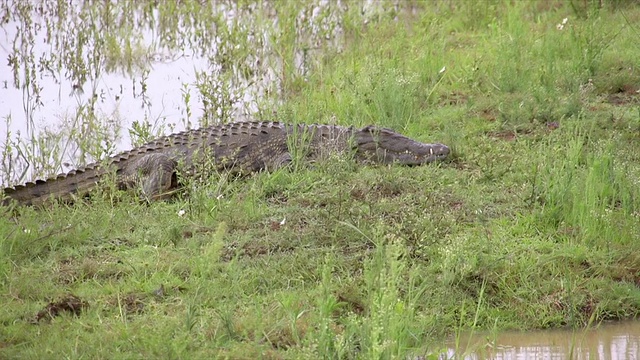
(152, 174)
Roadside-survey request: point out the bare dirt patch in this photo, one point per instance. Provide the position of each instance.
(626, 95)
(69, 304)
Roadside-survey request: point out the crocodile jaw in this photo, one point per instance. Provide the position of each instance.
(426, 153)
(387, 146)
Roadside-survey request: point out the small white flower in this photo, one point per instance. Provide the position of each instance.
(562, 24)
(181, 212)
(221, 196)
(27, 231)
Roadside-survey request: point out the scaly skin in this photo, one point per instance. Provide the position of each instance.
(239, 148)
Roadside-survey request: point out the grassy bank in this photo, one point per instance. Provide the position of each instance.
(533, 223)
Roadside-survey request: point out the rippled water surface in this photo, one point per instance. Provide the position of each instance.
(617, 341)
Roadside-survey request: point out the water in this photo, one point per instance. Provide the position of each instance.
(160, 84)
(615, 341)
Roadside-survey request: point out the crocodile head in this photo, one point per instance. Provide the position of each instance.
(387, 146)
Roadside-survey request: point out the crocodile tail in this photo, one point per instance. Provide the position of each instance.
(62, 187)
(74, 183)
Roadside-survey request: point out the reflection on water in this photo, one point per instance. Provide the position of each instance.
(617, 341)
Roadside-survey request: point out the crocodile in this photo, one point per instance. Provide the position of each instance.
(237, 147)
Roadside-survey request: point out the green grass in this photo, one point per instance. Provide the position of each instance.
(533, 223)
